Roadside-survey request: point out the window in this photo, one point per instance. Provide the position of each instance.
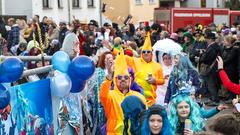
(138, 2)
(203, 3)
(45, 3)
(75, 3)
(90, 3)
(167, 4)
(60, 4)
(152, 2)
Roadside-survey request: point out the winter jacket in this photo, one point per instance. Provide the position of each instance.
(231, 62)
(235, 88)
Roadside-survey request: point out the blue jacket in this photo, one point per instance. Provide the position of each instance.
(207, 113)
(172, 88)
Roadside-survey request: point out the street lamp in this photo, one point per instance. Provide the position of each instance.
(100, 12)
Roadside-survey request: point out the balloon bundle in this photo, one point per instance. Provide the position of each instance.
(73, 74)
(71, 77)
(10, 70)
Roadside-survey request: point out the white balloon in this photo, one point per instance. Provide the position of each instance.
(60, 85)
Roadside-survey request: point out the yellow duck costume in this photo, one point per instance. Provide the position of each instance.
(142, 69)
(112, 99)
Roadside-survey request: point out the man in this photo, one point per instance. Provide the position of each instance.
(63, 31)
(36, 18)
(112, 99)
(198, 47)
(209, 58)
(89, 46)
(148, 73)
(13, 36)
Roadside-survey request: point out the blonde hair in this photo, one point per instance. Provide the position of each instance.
(229, 39)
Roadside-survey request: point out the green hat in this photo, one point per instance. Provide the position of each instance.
(189, 35)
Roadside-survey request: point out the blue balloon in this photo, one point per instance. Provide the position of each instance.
(11, 70)
(61, 61)
(77, 85)
(81, 67)
(4, 97)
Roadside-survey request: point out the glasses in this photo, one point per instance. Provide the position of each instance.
(121, 77)
(146, 52)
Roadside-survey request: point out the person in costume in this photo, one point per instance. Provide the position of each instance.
(132, 106)
(166, 60)
(183, 77)
(112, 99)
(156, 122)
(206, 113)
(188, 42)
(182, 108)
(148, 73)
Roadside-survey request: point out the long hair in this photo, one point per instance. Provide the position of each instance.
(195, 116)
(132, 106)
(180, 72)
(101, 62)
(166, 128)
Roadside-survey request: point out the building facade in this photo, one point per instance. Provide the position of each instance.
(140, 10)
(192, 3)
(58, 10)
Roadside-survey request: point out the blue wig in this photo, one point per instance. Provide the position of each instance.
(132, 106)
(181, 71)
(195, 116)
(166, 128)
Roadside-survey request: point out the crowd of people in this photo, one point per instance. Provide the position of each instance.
(135, 89)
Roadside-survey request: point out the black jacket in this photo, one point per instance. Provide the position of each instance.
(209, 56)
(62, 35)
(197, 46)
(3, 30)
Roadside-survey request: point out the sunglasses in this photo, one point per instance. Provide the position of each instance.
(146, 52)
(125, 77)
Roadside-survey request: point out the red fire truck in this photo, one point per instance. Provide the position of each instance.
(176, 18)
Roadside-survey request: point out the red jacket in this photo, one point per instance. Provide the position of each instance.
(235, 88)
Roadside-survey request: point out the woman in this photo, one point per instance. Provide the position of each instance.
(53, 31)
(167, 65)
(233, 87)
(188, 42)
(183, 77)
(231, 63)
(184, 108)
(99, 76)
(156, 122)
